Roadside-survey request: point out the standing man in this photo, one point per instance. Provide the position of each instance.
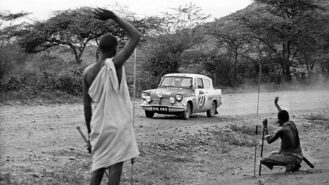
(290, 154)
(107, 105)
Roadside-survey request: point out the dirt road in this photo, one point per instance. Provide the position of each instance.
(40, 145)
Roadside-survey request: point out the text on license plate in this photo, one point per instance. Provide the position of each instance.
(163, 109)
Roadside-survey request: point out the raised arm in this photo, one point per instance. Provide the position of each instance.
(276, 99)
(133, 35)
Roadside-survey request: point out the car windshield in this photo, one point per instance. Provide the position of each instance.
(176, 82)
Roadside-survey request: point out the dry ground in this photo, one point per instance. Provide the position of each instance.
(40, 145)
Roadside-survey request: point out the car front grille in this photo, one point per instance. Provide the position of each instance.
(160, 102)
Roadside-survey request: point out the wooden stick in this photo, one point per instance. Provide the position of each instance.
(85, 139)
(261, 151)
(308, 162)
(255, 150)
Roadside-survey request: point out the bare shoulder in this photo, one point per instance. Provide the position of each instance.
(284, 130)
(88, 69)
(89, 73)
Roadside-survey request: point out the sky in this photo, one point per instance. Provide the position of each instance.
(43, 9)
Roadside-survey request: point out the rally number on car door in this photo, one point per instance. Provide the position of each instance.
(201, 99)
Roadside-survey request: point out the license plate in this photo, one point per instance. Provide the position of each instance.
(162, 109)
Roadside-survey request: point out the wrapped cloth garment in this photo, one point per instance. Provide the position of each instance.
(112, 134)
(281, 159)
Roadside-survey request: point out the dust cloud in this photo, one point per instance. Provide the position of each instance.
(246, 103)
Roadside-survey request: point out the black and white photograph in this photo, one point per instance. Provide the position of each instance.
(164, 92)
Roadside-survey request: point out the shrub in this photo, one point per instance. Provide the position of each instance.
(31, 84)
(70, 82)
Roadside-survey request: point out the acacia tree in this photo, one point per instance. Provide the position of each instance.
(282, 26)
(183, 17)
(72, 28)
(75, 29)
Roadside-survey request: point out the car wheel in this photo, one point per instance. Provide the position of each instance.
(212, 111)
(187, 113)
(149, 114)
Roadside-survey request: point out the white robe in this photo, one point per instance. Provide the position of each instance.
(112, 134)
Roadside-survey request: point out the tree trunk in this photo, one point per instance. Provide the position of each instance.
(77, 57)
(235, 67)
(286, 73)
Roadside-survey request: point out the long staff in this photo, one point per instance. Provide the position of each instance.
(259, 78)
(84, 138)
(258, 92)
(262, 147)
(134, 99)
(255, 150)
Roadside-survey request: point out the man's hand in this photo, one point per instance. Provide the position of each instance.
(267, 136)
(265, 123)
(103, 14)
(276, 99)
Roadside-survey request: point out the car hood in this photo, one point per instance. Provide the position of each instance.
(169, 92)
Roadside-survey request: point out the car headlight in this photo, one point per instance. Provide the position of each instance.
(144, 95)
(179, 97)
(172, 100)
(148, 99)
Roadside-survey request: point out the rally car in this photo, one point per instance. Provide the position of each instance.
(182, 94)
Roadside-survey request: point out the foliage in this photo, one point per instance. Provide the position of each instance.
(219, 68)
(10, 54)
(285, 29)
(32, 84)
(164, 52)
(8, 29)
(286, 40)
(10, 58)
(75, 29)
(234, 43)
(186, 16)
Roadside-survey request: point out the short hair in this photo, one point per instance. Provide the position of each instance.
(283, 116)
(107, 43)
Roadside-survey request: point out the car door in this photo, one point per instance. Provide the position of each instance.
(200, 95)
(207, 94)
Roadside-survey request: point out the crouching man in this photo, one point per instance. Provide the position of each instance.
(290, 154)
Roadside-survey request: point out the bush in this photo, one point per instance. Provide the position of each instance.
(68, 81)
(13, 84)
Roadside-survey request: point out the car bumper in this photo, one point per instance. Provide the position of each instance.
(175, 108)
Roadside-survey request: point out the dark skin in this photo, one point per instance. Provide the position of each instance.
(119, 59)
(276, 99)
(90, 74)
(288, 143)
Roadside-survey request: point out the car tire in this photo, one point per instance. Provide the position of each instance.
(149, 114)
(187, 113)
(211, 112)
